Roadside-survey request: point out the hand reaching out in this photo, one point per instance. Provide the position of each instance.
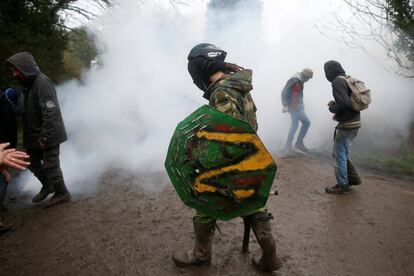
(13, 158)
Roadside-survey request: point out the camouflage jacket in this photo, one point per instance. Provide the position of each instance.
(231, 95)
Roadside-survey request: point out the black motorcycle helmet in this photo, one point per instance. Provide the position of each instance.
(208, 51)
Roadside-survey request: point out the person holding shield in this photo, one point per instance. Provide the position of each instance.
(227, 88)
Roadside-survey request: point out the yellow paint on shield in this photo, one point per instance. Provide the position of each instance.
(240, 194)
(260, 160)
(204, 188)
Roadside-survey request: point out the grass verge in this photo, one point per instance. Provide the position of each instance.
(403, 164)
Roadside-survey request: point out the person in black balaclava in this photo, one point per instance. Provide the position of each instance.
(228, 89)
(349, 122)
(203, 61)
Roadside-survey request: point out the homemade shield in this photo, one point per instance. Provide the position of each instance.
(218, 165)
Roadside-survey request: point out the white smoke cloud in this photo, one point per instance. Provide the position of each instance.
(124, 113)
(290, 42)
(296, 43)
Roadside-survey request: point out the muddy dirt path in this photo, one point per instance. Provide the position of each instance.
(124, 230)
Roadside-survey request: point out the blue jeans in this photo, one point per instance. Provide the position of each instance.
(341, 151)
(296, 116)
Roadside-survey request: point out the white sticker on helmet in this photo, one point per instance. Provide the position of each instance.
(213, 54)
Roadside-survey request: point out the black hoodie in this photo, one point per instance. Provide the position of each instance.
(42, 118)
(341, 93)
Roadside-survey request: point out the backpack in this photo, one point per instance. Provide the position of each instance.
(360, 96)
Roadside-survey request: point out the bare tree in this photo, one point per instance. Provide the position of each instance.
(70, 10)
(387, 23)
(89, 9)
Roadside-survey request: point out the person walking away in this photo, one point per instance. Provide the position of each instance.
(292, 101)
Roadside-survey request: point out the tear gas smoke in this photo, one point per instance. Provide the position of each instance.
(124, 112)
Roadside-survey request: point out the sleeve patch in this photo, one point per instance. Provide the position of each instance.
(50, 104)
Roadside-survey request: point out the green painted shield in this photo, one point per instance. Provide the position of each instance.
(218, 165)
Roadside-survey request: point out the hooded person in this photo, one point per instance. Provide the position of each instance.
(227, 88)
(43, 127)
(292, 101)
(349, 122)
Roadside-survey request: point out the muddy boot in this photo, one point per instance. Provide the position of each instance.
(337, 189)
(5, 227)
(44, 192)
(300, 146)
(57, 199)
(201, 253)
(61, 195)
(353, 177)
(261, 227)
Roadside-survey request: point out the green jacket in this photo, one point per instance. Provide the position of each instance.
(43, 121)
(231, 95)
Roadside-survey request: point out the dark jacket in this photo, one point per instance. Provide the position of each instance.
(341, 93)
(8, 126)
(292, 93)
(42, 118)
